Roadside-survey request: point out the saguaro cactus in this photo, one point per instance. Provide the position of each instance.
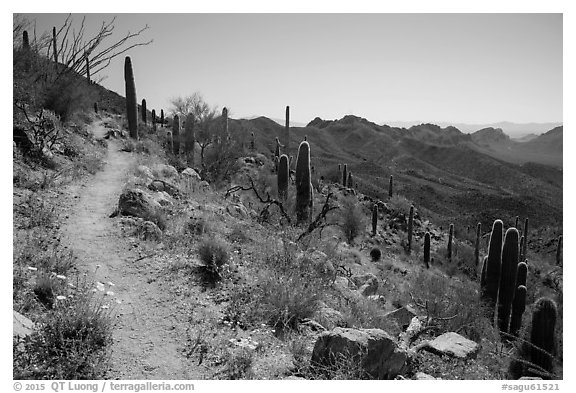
(450, 239)
(303, 183)
(176, 134)
(96, 107)
(507, 278)
(542, 334)
(410, 227)
(225, 119)
(345, 175)
(287, 127)
(520, 256)
(162, 118)
(25, 40)
(283, 176)
(494, 264)
(518, 308)
(477, 245)
(54, 45)
(154, 119)
(517, 222)
(521, 274)
(190, 137)
(350, 182)
(131, 105)
(374, 219)
(252, 142)
(427, 250)
(143, 108)
(391, 186)
(525, 248)
(558, 250)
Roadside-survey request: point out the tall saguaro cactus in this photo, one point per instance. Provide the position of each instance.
(287, 127)
(410, 227)
(190, 137)
(494, 264)
(427, 250)
(131, 103)
(525, 248)
(518, 308)
(54, 45)
(162, 118)
(303, 183)
(283, 176)
(374, 219)
(450, 240)
(350, 181)
(345, 175)
(391, 186)
(144, 110)
(25, 40)
(176, 134)
(507, 285)
(154, 119)
(225, 119)
(559, 250)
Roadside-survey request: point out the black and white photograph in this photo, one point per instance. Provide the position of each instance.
(208, 196)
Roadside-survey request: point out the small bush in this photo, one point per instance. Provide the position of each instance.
(198, 226)
(239, 364)
(238, 235)
(156, 216)
(375, 254)
(351, 219)
(399, 204)
(213, 254)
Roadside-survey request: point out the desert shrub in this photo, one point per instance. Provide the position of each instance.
(351, 219)
(331, 175)
(70, 341)
(221, 161)
(452, 304)
(399, 204)
(288, 289)
(157, 216)
(238, 235)
(375, 254)
(213, 254)
(239, 364)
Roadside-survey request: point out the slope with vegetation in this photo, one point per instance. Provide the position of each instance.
(247, 250)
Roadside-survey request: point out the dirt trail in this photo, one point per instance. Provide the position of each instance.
(149, 330)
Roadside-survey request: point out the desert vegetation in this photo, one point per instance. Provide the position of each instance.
(284, 261)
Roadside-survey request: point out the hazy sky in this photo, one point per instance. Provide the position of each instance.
(473, 68)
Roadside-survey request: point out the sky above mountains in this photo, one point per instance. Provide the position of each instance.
(455, 68)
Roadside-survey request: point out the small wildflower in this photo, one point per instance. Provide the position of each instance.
(60, 297)
(32, 268)
(100, 286)
(105, 306)
(61, 276)
(110, 293)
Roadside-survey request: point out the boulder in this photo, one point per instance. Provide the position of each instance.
(149, 231)
(453, 344)
(162, 186)
(237, 210)
(328, 317)
(167, 171)
(163, 198)
(374, 349)
(367, 284)
(321, 262)
(135, 202)
(402, 316)
(144, 172)
(191, 174)
(423, 376)
(21, 325)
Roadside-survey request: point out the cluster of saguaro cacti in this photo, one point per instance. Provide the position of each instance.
(374, 219)
(450, 241)
(503, 279)
(190, 137)
(410, 227)
(143, 108)
(427, 250)
(304, 200)
(176, 134)
(131, 105)
(283, 177)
